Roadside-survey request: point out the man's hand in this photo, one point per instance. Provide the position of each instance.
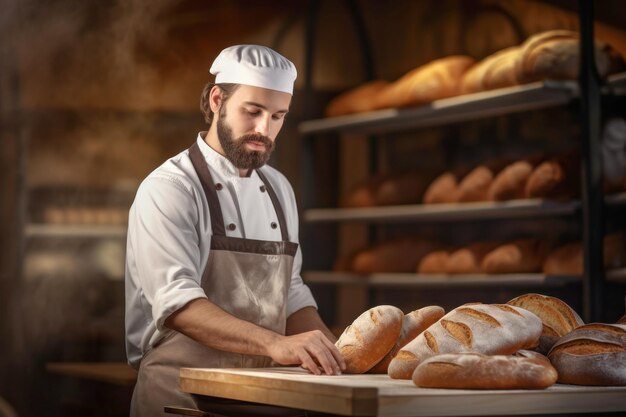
(311, 350)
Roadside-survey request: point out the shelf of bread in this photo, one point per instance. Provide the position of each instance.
(521, 208)
(437, 280)
(43, 230)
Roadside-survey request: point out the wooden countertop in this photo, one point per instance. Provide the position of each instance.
(379, 395)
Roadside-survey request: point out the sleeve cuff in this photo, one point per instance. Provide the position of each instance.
(173, 297)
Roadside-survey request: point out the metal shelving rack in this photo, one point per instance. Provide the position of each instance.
(539, 95)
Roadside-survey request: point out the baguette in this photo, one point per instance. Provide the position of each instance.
(558, 317)
(593, 354)
(357, 100)
(413, 324)
(510, 182)
(369, 338)
(492, 329)
(495, 71)
(528, 370)
(401, 255)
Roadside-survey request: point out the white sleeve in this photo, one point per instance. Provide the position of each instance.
(166, 248)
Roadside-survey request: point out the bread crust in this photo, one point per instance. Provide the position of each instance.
(356, 100)
(478, 371)
(413, 324)
(523, 255)
(482, 328)
(593, 354)
(369, 338)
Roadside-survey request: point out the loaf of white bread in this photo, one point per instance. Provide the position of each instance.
(491, 329)
(524, 370)
(413, 324)
(593, 354)
(369, 338)
(557, 317)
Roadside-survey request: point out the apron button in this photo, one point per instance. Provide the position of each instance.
(262, 188)
(218, 186)
(274, 225)
(232, 226)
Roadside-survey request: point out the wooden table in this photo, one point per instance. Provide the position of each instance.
(379, 395)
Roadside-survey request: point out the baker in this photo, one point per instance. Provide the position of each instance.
(213, 261)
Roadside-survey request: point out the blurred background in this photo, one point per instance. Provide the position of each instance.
(95, 95)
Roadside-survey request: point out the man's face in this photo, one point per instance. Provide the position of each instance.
(248, 125)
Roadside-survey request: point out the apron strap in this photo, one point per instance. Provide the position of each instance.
(202, 169)
(277, 207)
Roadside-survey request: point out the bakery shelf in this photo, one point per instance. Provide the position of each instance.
(437, 280)
(533, 96)
(531, 208)
(36, 230)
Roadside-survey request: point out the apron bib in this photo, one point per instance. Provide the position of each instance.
(247, 278)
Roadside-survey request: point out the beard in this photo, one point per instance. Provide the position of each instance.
(235, 148)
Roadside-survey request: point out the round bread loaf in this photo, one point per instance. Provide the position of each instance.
(369, 338)
(443, 189)
(434, 262)
(510, 182)
(492, 329)
(357, 100)
(528, 370)
(558, 317)
(523, 255)
(593, 354)
(413, 324)
(468, 260)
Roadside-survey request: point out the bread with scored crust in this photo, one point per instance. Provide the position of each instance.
(593, 354)
(491, 329)
(525, 370)
(369, 338)
(558, 317)
(413, 324)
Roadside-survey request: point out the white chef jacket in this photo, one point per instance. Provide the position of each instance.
(169, 238)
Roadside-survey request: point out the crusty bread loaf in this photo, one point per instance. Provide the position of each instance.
(567, 259)
(401, 188)
(593, 354)
(401, 255)
(357, 100)
(558, 317)
(495, 71)
(509, 184)
(433, 81)
(435, 262)
(478, 371)
(362, 194)
(475, 185)
(558, 177)
(368, 339)
(468, 260)
(413, 324)
(443, 189)
(523, 255)
(492, 329)
(555, 55)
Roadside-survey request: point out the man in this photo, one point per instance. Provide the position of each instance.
(213, 263)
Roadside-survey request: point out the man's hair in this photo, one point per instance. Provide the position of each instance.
(205, 106)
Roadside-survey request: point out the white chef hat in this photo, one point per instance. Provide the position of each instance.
(254, 65)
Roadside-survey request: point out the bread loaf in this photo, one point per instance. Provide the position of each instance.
(435, 262)
(494, 71)
(555, 55)
(523, 255)
(478, 371)
(557, 317)
(357, 100)
(593, 354)
(400, 255)
(509, 184)
(568, 258)
(413, 324)
(433, 81)
(368, 339)
(475, 185)
(443, 189)
(492, 329)
(405, 188)
(558, 177)
(363, 194)
(468, 260)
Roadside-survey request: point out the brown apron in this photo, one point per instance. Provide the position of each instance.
(248, 279)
